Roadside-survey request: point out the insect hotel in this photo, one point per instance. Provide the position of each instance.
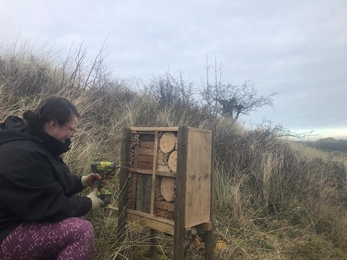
(167, 182)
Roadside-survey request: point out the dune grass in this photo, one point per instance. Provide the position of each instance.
(274, 198)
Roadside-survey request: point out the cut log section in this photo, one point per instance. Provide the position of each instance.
(173, 161)
(167, 188)
(167, 142)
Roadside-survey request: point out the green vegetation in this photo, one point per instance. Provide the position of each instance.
(274, 199)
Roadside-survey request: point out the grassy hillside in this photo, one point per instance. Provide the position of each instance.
(329, 144)
(274, 199)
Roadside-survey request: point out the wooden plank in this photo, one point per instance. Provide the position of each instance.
(205, 226)
(111, 211)
(148, 129)
(138, 170)
(198, 182)
(200, 130)
(147, 171)
(166, 174)
(180, 200)
(160, 224)
(123, 182)
(164, 214)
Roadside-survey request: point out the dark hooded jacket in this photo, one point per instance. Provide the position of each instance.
(35, 183)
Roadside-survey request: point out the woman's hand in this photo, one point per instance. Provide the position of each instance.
(96, 202)
(88, 180)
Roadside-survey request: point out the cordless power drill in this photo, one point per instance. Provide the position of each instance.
(103, 169)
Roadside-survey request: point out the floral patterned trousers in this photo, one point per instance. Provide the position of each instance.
(68, 239)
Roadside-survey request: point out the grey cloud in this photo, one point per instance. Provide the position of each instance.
(296, 48)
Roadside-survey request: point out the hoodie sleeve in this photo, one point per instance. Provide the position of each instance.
(78, 183)
(29, 187)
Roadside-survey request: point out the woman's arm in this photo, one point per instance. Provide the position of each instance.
(32, 187)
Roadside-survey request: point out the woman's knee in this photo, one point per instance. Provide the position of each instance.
(79, 239)
(80, 228)
(72, 236)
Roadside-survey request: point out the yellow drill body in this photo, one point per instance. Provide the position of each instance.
(103, 169)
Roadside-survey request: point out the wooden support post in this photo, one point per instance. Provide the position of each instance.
(209, 244)
(154, 170)
(154, 240)
(180, 200)
(123, 186)
(154, 244)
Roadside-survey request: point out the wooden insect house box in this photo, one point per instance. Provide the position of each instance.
(167, 179)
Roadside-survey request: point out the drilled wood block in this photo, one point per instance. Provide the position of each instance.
(164, 205)
(173, 161)
(144, 165)
(148, 145)
(167, 142)
(167, 188)
(146, 151)
(163, 168)
(143, 194)
(145, 158)
(164, 214)
(132, 203)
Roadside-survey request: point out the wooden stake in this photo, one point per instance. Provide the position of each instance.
(180, 200)
(209, 245)
(123, 198)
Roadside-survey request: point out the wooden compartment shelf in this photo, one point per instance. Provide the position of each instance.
(167, 175)
(154, 157)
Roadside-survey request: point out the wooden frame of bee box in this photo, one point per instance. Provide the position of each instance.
(166, 182)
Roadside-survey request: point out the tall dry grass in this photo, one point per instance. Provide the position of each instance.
(274, 199)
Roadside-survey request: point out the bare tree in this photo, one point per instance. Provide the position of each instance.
(231, 100)
(212, 91)
(171, 90)
(242, 100)
(267, 128)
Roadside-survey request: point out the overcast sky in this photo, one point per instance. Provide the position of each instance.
(293, 47)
